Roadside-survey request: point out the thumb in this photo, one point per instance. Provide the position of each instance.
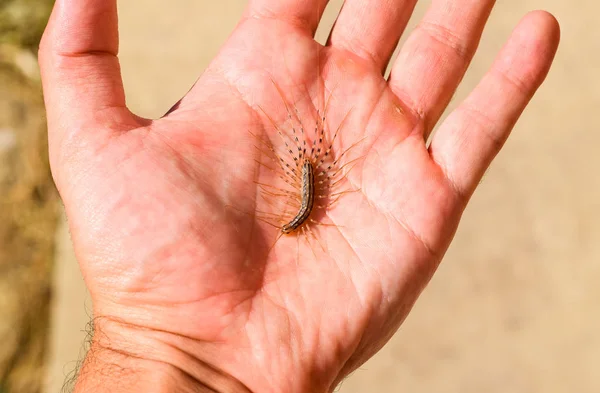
(81, 75)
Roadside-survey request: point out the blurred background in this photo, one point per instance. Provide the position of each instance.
(513, 308)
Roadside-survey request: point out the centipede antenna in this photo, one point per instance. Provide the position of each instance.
(270, 216)
(328, 150)
(289, 115)
(352, 146)
(254, 215)
(301, 149)
(270, 153)
(269, 188)
(292, 175)
(339, 169)
(322, 120)
(282, 135)
(270, 169)
(274, 194)
(337, 198)
(269, 200)
(288, 202)
(338, 181)
(264, 220)
(333, 180)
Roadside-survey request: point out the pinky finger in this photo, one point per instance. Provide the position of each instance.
(474, 133)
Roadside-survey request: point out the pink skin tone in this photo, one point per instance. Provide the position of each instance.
(185, 289)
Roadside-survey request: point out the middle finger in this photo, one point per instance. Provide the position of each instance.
(371, 29)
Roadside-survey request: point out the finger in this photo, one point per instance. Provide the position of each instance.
(80, 70)
(371, 29)
(435, 57)
(474, 133)
(303, 14)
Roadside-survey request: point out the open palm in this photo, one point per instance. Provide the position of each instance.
(162, 211)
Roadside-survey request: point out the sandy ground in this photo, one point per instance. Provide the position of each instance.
(514, 307)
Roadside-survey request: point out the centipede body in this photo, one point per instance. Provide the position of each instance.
(307, 199)
(303, 169)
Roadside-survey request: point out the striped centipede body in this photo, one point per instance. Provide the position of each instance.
(307, 201)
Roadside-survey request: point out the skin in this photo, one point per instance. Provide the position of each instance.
(187, 293)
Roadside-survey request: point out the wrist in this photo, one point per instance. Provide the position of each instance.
(125, 358)
(109, 370)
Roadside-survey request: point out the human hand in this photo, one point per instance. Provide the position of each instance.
(189, 292)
